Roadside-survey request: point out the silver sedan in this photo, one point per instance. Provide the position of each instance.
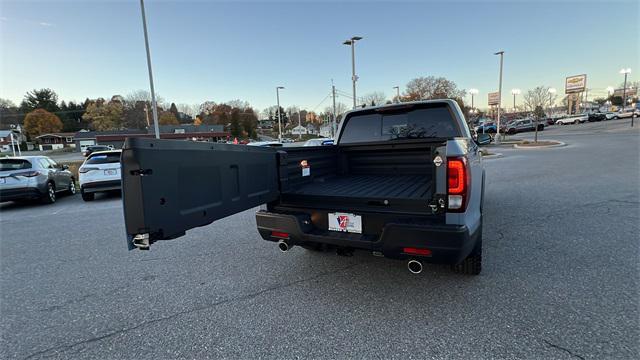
(34, 177)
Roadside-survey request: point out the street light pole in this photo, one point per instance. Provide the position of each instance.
(279, 114)
(551, 92)
(397, 93)
(153, 92)
(473, 92)
(501, 53)
(515, 92)
(354, 77)
(624, 91)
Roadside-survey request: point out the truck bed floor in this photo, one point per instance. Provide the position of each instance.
(369, 186)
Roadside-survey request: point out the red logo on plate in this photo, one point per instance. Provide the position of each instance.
(343, 221)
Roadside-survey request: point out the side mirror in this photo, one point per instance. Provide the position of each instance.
(65, 167)
(483, 139)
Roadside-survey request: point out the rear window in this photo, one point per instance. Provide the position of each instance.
(106, 158)
(431, 122)
(14, 164)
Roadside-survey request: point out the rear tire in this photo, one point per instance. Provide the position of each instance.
(472, 264)
(576, 122)
(50, 196)
(88, 196)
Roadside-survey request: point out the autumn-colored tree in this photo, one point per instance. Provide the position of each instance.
(40, 121)
(168, 118)
(197, 121)
(104, 117)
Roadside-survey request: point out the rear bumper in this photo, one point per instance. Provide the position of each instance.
(101, 186)
(19, 194)
(449, 244)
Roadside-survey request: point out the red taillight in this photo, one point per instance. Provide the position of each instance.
(457, 183)
(281, 235)
(456, 175)
(416, 251)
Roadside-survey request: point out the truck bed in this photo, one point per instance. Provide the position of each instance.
(369, 186)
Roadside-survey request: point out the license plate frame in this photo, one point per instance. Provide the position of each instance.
(345, 222)
(110, 172)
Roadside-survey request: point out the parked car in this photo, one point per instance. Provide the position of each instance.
(34, 177)
(594, 116)
(523, 125)
(627, 113)
(405, 181)
(91, 149)
(100, 172)
(318, 142)
(609, 115)
(489, 128)
(573, 119)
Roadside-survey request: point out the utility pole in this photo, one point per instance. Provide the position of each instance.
(501, 53)
(13, 148)
(397, 93)
(153, 92)
(333, 124)
(279, 114)
(299, 122)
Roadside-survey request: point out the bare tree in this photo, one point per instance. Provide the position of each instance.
(374, 98)
(431, 87)
(535, 101)
(141, 95)
(189, 109)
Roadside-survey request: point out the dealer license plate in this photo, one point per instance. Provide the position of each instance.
(345, 222)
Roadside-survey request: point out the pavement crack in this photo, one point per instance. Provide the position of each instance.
(562, 349)
(62, 348)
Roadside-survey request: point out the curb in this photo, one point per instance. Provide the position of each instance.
(559, 144)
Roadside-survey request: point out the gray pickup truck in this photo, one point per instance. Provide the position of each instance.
(403, 181)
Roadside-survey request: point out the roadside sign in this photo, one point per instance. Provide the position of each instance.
(631, 91)
(575, 84)
(494, 98)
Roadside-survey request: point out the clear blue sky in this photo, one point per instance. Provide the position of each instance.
(242, 50)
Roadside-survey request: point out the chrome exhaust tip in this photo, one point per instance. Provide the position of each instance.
(283, 246)
(414, 266)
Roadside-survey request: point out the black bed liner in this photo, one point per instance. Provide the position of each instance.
(369, 186)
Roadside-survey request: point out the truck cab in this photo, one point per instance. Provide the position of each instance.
(402, 181)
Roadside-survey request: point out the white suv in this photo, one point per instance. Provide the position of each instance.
(100, 172)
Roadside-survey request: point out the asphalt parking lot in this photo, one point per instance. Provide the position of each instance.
(560, 277)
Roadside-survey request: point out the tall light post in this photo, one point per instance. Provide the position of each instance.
(278, 88)
(352, 42)
(515, 92)
(610, 90)
(552, 92)
(153, 92)
(501, 53)
(624, 88)
(473, 92)
(397, 93)
(624, 91)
